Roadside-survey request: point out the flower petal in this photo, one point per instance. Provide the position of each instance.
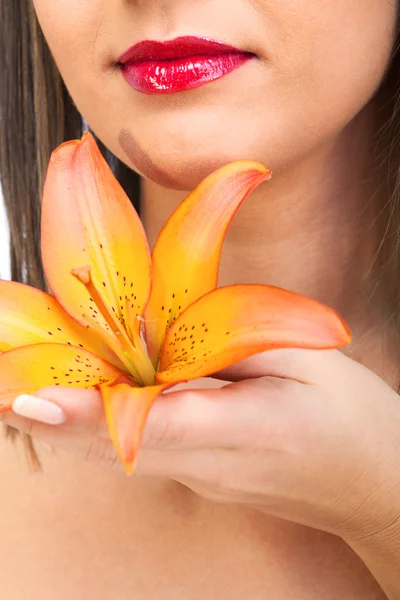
(126, 409)
(29, 316)
(186, 254)
(27, 369)
(88, 220)
(234, 322)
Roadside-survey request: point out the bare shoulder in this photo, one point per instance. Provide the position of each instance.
(79, 532)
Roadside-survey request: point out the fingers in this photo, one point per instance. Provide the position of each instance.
(92, 449)
(304, 366)
(238, 415)
(75, 410)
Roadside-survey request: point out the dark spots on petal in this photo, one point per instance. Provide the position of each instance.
(170, 310)
(52, 368)
(69, 343)
(80, 346)
(104, 284)
(101, 246)
(173, 295)
(49, 332)
(162, 308)
(227, 333)
(55, 377)
(186, 291)
(179, 307)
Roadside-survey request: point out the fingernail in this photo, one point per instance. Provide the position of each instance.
(38, 409)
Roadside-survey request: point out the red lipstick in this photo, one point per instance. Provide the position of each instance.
(184, 63)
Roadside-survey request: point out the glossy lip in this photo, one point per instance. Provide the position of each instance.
(187, 62)
(180, 47)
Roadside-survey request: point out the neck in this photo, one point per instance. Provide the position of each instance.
(312, 229)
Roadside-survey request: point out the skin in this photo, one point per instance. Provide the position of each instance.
(300, 452)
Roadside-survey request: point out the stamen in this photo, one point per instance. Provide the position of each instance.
(131, 354)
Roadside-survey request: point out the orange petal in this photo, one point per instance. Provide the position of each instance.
(88, 220)
(234, 322)
(126, 409)
(186, 254)
(26, 370)
(29, 316)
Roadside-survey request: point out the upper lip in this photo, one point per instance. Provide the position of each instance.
(180, 47)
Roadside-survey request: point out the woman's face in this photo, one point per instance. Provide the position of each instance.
(317, 63)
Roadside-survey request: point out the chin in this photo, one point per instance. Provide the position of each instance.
(171, 169)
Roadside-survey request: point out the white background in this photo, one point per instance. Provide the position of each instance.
(4, 253)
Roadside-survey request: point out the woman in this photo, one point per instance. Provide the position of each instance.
(284, 484)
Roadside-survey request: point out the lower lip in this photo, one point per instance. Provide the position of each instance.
(177, 75)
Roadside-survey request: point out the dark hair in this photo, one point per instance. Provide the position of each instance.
(37, 114)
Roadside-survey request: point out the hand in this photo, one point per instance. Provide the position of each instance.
(309, 436)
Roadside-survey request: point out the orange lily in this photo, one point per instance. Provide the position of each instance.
(132, 324)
